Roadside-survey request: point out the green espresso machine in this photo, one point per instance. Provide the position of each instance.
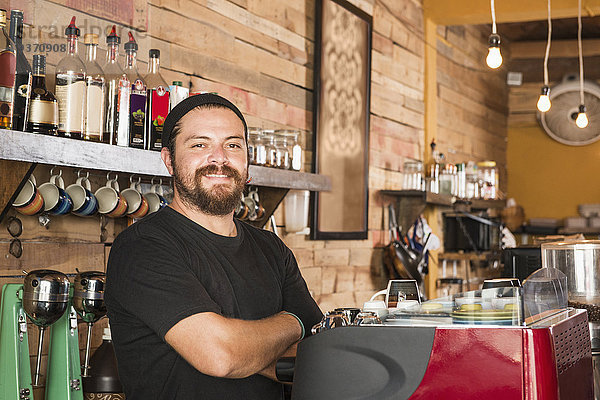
(45, 297)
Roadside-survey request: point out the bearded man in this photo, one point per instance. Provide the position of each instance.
(202, 305)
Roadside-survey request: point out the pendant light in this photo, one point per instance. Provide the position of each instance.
(494, 58)
(543, 103)
(582, 119)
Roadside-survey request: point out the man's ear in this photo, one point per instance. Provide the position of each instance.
(165, 154)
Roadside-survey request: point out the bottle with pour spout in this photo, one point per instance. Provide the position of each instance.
(137, 102)
(158, 101)
(95, 86)
(70, 87)
(118, 90)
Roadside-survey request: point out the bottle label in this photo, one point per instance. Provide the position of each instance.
(138, 115)
(70, 93)
(123, 95)
(8, 63)
(21, 100)
(159, 100)
(94, 109)
(43, 112)
(24, 88)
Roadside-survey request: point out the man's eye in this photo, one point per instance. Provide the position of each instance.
(199, 145)
(234, 146)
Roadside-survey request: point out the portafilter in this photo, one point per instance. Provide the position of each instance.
(45, 300)
(88, 301)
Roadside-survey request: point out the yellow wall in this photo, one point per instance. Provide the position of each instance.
(547, 178)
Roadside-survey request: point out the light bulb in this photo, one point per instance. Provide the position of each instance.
(582, 120)
(494, 58)
(543, 103)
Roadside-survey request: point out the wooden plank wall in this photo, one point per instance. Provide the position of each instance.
(260, 55)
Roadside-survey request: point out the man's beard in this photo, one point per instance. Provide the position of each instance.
(219, 200)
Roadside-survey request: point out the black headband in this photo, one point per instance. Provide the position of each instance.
(188, 105)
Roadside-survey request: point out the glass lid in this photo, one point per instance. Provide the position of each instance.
(544, 293)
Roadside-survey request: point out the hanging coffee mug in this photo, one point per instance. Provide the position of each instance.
(137, 205)
(259, 210)
(29, 201)
(110, 202)
(84, 202)
(255, 210)
(241, 212)
(155, 198)
(56, 199)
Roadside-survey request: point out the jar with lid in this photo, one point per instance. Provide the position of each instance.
(447, 176)
(253, 136)
(487, 179)
(296, 151)
(271, 150)
(461, 181)
(260, 149)
(283, 157)
(472, 182)
(413, 175)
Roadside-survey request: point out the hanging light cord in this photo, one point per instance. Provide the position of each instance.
(493, 16)
(547, 55)
(580, 54)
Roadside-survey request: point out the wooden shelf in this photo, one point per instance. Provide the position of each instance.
(444, 199)
(585, 231)
(52, 150)
(20, 152)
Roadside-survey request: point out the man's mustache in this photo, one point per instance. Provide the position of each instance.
(218, 170)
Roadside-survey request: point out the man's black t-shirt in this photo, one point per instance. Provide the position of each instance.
(165, 268)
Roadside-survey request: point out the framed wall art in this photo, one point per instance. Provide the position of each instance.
(341, 119)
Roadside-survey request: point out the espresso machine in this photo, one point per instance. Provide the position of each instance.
(520, 343)
(44, 297)
(580, 261)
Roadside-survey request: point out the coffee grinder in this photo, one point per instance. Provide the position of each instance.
(580, 261)
(43, 297)
(88, 301)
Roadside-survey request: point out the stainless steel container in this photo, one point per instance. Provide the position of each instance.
(45, 300)
(88, 295)
(45, 296)
(580, 261)
(88, 301)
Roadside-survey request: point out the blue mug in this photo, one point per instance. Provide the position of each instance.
(85, 203)
(56, 199)
(155, 198)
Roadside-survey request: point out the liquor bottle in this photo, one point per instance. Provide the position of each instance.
(23, 74)
(177, 94)
(158, 101)
(118, 90)
(70, 88)
(433, 170)
(8, 61)
(137, 102)
(95, 91)
(43, 107)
